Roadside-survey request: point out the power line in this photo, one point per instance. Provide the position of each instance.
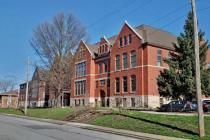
(143, 5)
(203, 9)
(177, 19)
(160, 18)
(111, 13)
(170, 13)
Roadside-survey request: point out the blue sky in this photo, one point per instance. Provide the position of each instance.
(100, 17)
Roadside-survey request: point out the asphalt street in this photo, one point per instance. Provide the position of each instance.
(12, 128)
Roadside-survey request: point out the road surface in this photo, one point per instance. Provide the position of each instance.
(12, 128)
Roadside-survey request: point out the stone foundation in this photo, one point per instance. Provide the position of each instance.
(122, 101)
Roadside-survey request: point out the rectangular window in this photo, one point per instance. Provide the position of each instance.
(105, 66)
(130, 38)
(106, 48)
(125, 60)
(81, 52)
(159, 58)
(121, 42)
(80, 87)
(100, 68)
(125, 40)
(102, 82)
(117, 62)
(102, 48)
(117, 85)
(125, 82)
(84, 69)
(133, 83)
(133, 59)
(81, 69)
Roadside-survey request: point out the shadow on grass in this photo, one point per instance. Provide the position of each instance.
(157, 123)
(21, 110)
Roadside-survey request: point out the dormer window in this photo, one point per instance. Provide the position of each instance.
(121, 42)
(106, 48)
(125, 40)
(103, 48)
(100, 49)
(130, 38)
(81, 53)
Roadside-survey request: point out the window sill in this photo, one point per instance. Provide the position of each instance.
(79, 95)
(117, 70)
(125, 69)
(133, 92)
(124, 46)
(133, 66)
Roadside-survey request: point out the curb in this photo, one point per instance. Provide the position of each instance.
(122, 132)
(127, 133)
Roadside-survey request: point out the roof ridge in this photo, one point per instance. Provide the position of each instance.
(152, 27)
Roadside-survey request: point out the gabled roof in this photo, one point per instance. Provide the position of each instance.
(139, 35)
(148, 34)
(94, 47)
(155, 36)
(10, 93)
(39, 74)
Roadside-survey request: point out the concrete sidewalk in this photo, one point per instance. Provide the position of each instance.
(122, 132)
(175, 113)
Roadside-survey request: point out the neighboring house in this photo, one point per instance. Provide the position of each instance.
(38, 94)
(122, 70)
(9, 99)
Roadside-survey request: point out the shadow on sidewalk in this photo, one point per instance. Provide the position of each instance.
(157, 123)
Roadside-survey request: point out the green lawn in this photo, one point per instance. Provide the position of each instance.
(47, 113)
(176, 126)
(10, 111)
(168, 125)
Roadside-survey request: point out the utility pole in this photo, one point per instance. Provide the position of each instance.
(197, 68)
(27, 82)
(62, 100)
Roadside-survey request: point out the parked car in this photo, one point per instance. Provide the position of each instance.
(194, 106)
(173, 106)
(178, 106)
(189, 106)
(206, 105)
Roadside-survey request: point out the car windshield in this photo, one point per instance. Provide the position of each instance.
(194, 102)
(207, 102)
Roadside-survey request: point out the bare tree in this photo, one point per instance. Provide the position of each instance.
(7, 83)
(54, 43)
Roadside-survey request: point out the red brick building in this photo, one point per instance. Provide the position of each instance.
(122, 70)
(38, 94)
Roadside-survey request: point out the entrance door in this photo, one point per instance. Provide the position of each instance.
(102, 95)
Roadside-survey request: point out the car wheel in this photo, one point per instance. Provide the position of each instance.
(205, 109)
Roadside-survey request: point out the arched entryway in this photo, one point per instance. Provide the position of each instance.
(102, 96)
